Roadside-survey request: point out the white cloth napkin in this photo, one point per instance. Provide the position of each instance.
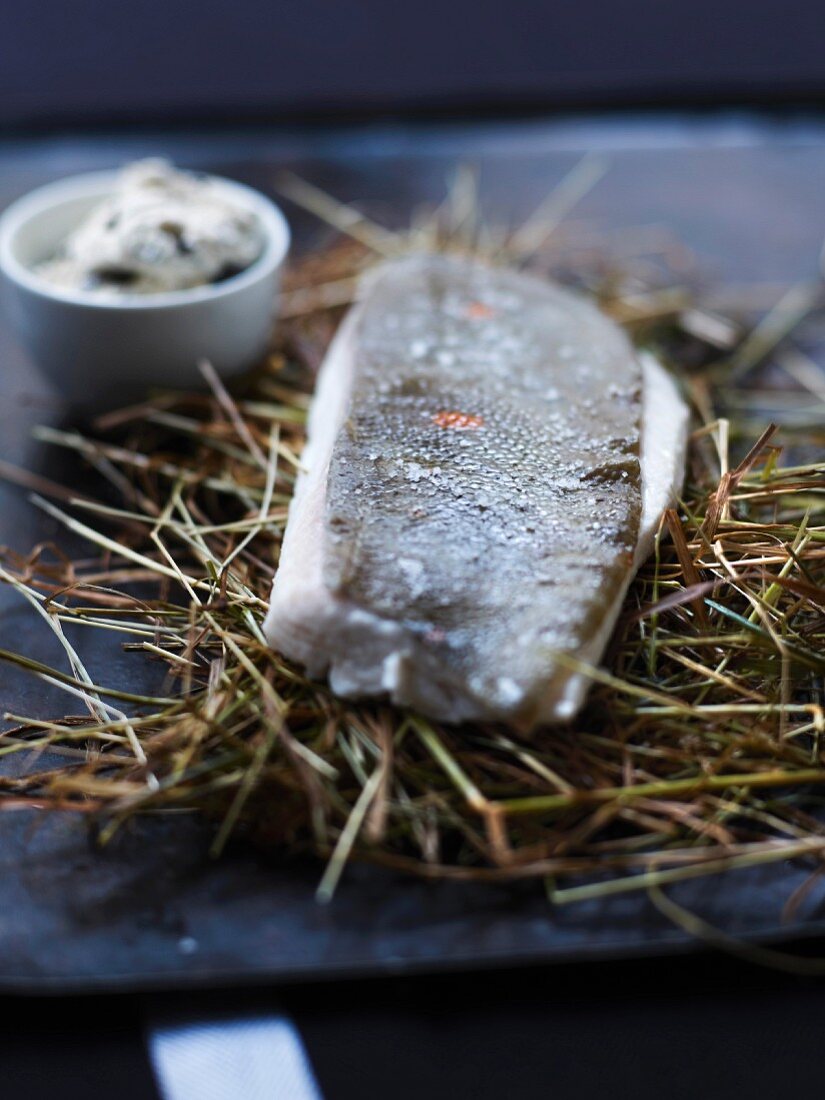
(255, 1057)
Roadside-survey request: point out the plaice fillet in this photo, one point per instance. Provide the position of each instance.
(487, 462)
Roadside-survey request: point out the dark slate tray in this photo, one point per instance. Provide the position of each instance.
(151, 910)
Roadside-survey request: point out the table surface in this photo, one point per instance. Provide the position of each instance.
(747, 195)
(153, 60)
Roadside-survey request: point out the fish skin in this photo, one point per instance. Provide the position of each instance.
(473, 499)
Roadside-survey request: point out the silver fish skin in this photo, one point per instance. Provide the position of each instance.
(487, 461)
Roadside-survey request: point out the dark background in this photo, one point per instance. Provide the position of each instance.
(684, 1030)
(72, 72)
(71, 62)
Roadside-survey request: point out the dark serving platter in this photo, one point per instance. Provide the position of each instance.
(151, 910)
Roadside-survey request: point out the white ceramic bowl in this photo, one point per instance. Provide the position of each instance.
(104, 351)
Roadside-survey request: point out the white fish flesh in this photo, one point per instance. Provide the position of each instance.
(487, 463)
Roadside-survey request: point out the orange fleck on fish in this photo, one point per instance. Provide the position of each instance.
(478, 311)
(458, 421)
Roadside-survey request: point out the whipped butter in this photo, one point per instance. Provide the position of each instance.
(160, 230)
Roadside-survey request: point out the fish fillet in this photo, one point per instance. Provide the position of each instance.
(486, 465)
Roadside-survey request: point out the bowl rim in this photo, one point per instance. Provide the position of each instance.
(98, 185)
